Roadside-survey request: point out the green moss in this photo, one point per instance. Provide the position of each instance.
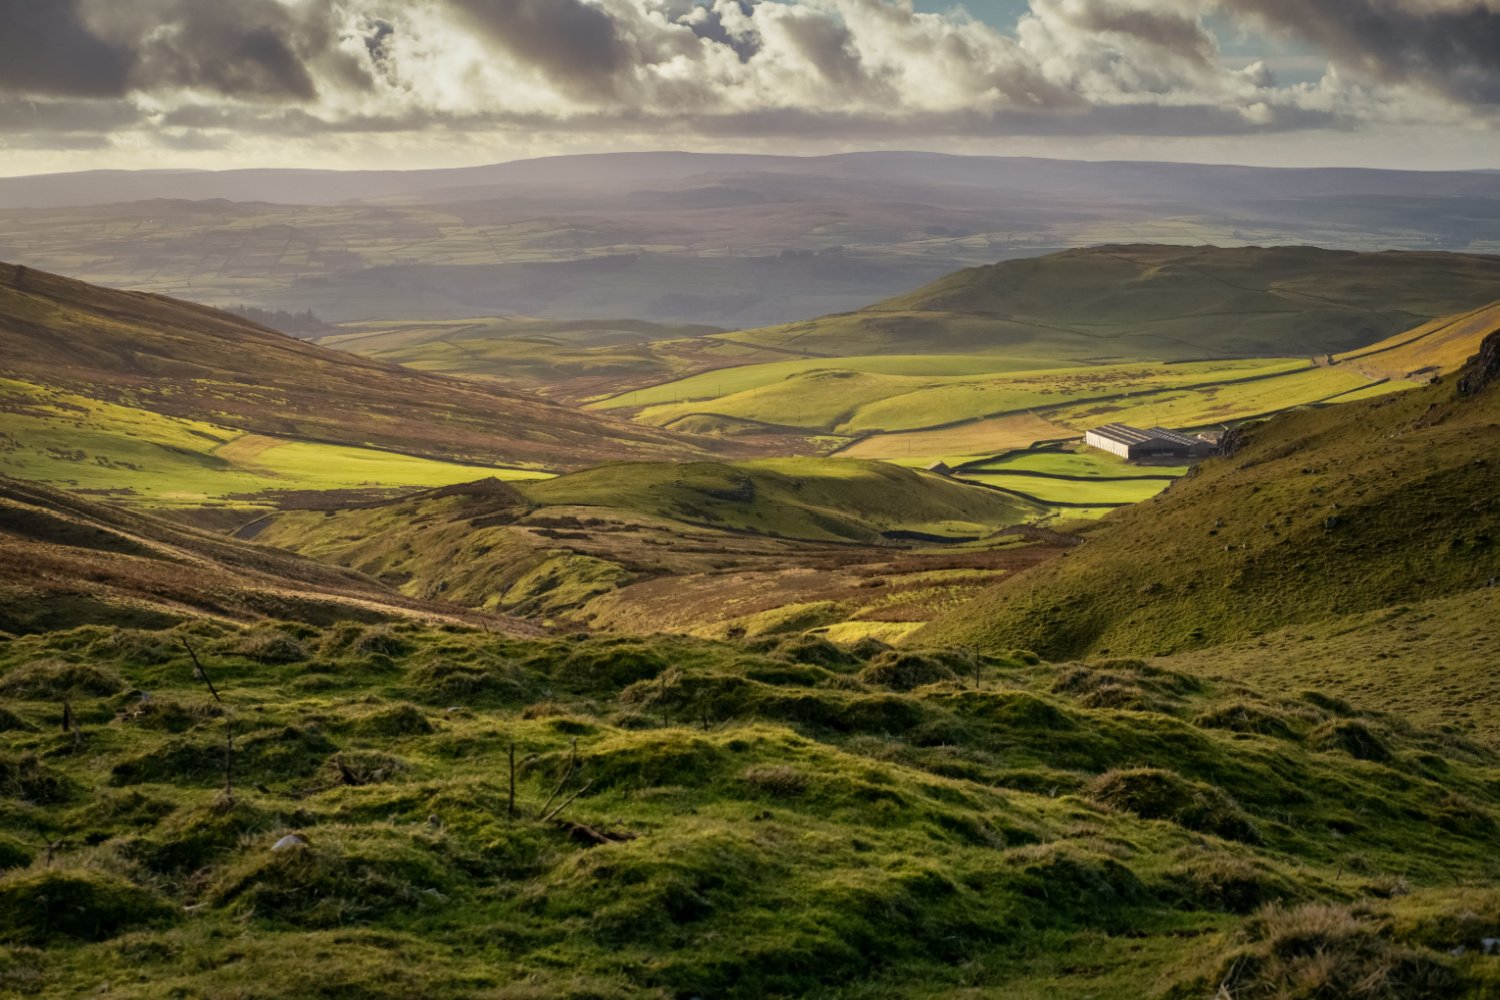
(37, 908)
(1154, 793)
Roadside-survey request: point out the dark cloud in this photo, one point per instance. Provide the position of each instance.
(1450, 49)
(576, 45)
(47, 49)
(829, 46)
(63, 116)
(1181, 34)
(709, 25)
(247, 49)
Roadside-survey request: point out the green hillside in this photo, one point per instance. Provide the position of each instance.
(576, 359)
(1316, 514)
(1162, 302)
(140, 395)
(812, 499)
(66, 560)
(335, 816)
(768, 546)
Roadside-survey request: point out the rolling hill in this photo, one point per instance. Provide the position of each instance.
(764, 546)
(729, 240)
(67, 561)
(119, 390)
(1315, 515)
(1162, 302)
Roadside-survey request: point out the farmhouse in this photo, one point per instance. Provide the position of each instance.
(1154, 445)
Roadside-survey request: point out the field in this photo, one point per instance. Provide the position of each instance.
(836, 400)
(1331, 498)
(143, 457)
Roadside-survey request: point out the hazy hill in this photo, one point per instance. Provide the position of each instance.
(1316, 514)
(1166, 302)
(732, 241)
(145, 352)
(67, 561)
(1120, 181)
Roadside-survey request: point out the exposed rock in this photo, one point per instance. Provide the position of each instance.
(289, 842)
(1483, 368)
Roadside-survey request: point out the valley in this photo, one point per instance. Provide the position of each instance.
(506, 656)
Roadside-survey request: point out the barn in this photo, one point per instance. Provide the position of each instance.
(1155, 444)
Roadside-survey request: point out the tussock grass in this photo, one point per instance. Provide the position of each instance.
(856, 819)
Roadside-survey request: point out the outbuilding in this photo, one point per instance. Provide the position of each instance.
(1156, 444)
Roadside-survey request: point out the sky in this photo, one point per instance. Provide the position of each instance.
(216, 84)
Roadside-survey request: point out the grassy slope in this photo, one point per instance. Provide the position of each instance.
(851, 403)
(772, 546)
(1436, 348)
(523, 352)
(148, 458)
(812, 499)
(66, 560)
(1171, 303)
(186, 361)
(789, 821)
(1320, 513)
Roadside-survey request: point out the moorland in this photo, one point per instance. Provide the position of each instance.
(462, 651)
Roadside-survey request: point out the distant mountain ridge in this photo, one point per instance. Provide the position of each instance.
(619, 171)
(1155, 301)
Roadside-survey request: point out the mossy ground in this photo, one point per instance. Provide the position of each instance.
(785, 817)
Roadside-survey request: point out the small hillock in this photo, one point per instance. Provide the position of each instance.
(405, 809)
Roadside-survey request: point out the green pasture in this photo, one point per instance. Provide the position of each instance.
(725, 382)
(849, 401)
(147, 457)
(1071, 492)
(1080, 462)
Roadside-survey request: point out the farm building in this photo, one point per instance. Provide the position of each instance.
(940, 468)
(1156, 444)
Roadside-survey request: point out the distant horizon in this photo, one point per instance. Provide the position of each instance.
(670, 151)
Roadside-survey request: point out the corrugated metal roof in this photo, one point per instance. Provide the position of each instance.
(1123, 434)
(1174, 437)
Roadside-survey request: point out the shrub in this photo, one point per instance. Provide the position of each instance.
(1153, 793)
(1318, 951)
(332, 883)
(1075, 884)
(905, 671)
(396, 721)
(270, 647)
(1352, 738)
(816, 650)
(1225, 884)
(381, 641)
(440, 682)
(602, 666)
(1244, 718)
(193, 838)
(778, 781)
(11, 722)
(13, 855)
(26, 778)
(136, 646)
(55, 680)
(39, 907)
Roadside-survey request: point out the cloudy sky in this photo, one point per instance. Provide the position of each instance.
(345, 83)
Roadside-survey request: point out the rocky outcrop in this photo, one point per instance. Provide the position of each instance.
(1483, 368)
